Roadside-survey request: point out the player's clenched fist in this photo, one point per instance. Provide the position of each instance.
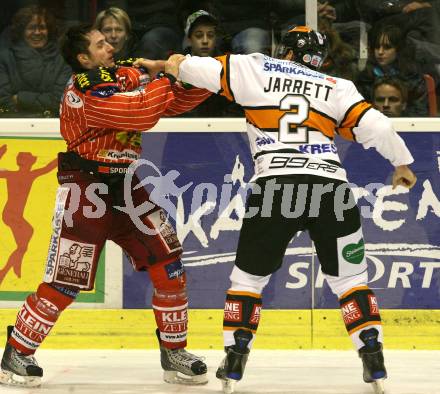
(172, 64)
(403, 176)
(153, 66)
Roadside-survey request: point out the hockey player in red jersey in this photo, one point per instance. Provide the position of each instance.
(293, 113)
(104, 109)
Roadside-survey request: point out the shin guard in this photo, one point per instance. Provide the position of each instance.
(36, 318)
(360, 310)
(242, 311)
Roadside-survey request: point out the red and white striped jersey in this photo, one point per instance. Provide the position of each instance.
(293, 113)
(106, 126)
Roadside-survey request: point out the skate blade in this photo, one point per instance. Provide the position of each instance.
(11, 379)
(378, 386)
(228, 385)
(174, 377)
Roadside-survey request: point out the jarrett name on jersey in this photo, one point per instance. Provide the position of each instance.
(293, 113)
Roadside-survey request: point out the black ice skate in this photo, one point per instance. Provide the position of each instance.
(181, 367)
(17, 369)
(232, 367)
(372, 360)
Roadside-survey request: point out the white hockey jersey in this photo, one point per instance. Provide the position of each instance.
(293, 113)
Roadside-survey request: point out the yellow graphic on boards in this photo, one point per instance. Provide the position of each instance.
(27, 190)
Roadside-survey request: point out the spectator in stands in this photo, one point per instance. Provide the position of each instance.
(9, 9)
(417, 19)
(288, 13)
(156, 23)
(391, 57)
(374, 11)
(66, 13)
(341, 60)
(115, 24)
(244, 26)
(421, 20)
(201, 31)
(292, 12)
(390, 96)
(32, 71)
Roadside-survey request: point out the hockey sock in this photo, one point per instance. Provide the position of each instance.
(242, 311)
(360, 312)
(37, 316)
(171, 313)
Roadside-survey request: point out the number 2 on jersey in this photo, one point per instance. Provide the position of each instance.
(287, 133)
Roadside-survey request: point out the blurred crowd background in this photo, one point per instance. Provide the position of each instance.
(389, 49)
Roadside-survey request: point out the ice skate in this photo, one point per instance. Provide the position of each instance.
(373, 361)
(232, 367)
(182, 367)
(17, 369)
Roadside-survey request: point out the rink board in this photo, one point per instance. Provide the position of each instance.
(401, 232)
(279, 329)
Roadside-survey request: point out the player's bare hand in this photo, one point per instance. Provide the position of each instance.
(403, 176)
(173, 63)
(415, 5)
(153, 66)
(3, 149)
(325, 10)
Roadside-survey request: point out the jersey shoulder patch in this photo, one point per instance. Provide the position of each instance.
(73, 100)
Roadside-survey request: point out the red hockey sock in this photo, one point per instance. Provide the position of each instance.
(171, 315)
(36, 318)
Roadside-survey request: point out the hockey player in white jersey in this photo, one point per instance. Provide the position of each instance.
(293, 113)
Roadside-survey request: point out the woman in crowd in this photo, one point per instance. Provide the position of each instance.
(32, 72)
(391, 57)
(115, 24)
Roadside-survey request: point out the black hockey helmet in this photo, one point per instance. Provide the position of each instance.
(309, 46)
